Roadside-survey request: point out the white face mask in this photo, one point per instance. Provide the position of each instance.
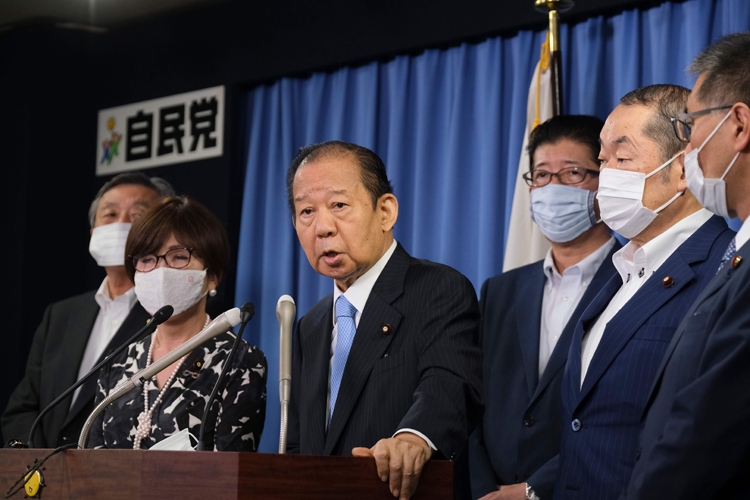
(711, 192)
(562, 212)
(621, 200)
(107, 245)
(179, 288)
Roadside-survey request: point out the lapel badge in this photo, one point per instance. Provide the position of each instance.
(386, 329)
(668, 281)
(193, 372)
(736, 261)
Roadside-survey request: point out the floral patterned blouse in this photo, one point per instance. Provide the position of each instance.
(235, 421)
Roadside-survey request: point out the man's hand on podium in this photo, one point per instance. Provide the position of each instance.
(399, 459)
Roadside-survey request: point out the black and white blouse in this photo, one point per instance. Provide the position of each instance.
(235, 421)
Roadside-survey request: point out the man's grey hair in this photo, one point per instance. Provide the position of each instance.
(666, 101)
(158, 184)
(725, 67)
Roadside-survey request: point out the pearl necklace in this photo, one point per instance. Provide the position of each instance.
(144, 419)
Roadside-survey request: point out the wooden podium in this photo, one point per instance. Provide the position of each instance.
(186, 475)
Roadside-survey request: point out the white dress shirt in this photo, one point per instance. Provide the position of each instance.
(112, 314)
(636, 265)
(562, 293)
(743, 235)
(357, 295)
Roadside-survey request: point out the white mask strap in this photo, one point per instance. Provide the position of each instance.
(663, 165)
(715, 130)
(730, 165)
(679, 193)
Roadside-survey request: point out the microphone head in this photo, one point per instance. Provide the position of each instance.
(162, 315)
(247, 311)
(233, 316)
(285, 303)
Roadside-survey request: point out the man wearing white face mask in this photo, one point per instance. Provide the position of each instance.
(695, 439)
(528, 315)
(76, 332)
(675, 247)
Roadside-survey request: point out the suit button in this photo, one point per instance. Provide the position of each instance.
(576, 425)
(528, 420)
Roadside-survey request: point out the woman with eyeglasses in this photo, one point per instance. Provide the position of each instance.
(177, 253)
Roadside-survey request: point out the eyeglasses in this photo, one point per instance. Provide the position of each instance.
(176, 258)
(683, 124)
(569, 176)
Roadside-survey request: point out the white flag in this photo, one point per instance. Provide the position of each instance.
(526, 243)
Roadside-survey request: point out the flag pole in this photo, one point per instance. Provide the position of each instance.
(553, 8)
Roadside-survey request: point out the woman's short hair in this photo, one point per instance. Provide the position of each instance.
(192, 224)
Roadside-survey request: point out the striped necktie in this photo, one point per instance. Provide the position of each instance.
(345, 312)
(731, 251)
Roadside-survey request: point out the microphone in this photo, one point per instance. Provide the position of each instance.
(158, 318)
(221, 324)
(285, 312)
(246, 314)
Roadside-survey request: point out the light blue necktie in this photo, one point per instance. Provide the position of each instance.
(345, 312)
(731, 252)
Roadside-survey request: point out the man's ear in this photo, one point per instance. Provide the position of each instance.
(741, 114)
(388, 210)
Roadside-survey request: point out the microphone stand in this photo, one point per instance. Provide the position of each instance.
(159, 317)
(246, 314)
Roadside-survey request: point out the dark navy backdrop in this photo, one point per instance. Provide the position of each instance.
(448, 125)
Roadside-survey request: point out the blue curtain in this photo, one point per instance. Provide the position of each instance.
(448, 124)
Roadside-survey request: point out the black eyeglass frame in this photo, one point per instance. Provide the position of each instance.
(528, 176)
(164, 256)
(686, 120)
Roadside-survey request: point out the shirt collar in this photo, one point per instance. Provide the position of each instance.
(587, 267)
(358, 293)
(643, 261)
(104, 300)
(743, 235)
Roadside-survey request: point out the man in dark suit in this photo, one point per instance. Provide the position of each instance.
(76, 332)
(695, 443)
(528, 315)
(407, 386)
(675, 246)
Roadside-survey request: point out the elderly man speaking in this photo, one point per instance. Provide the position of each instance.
(387, 365)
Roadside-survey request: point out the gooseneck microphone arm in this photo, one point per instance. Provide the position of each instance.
(221, 324)
(285, 312)
(247, 311)
(159, 317)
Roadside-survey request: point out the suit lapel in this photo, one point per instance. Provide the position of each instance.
(530, 291)
(316, 349)
(135, 320)
(589, 316)
(560, 354)
(369, 342)
(651, 297)
(713, 287)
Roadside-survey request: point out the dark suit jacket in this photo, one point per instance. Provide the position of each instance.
(602, 418)
(519, 435)
(414, 363)
(696, 436)
(52, 367)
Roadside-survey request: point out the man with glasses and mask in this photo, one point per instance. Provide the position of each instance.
(675, 246)
(696, 439)
(77, 332)
(528, 315)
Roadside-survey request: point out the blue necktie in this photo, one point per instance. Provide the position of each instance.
(345, 312)
(731, 251)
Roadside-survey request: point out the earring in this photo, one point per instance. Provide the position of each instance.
(212, 293)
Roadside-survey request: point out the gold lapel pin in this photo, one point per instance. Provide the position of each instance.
(668, 281)
(736, 261)
(386, 329)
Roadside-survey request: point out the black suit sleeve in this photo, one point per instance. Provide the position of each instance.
(447, 401)
(23, 405)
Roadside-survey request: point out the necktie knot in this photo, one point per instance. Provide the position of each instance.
(344, 308)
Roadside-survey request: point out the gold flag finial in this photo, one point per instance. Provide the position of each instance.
(553, 7)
